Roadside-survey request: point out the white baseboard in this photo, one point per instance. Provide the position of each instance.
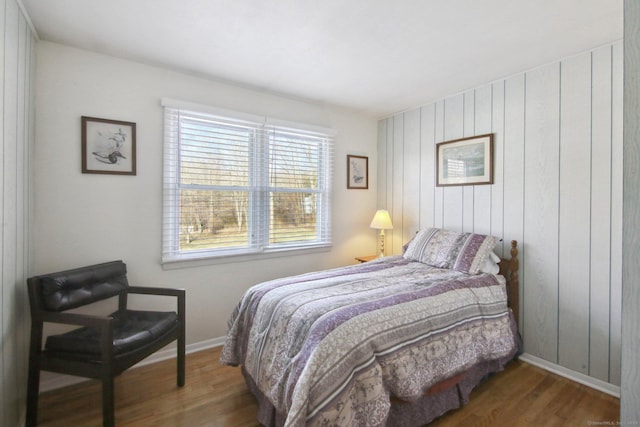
(594, 383)
(55, 381)
(51, 381)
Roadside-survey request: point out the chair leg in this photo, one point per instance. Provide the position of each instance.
(181, 360)
(33, 380)
(108, 403)
(33, 389)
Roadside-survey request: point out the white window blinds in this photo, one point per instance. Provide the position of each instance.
(235, 184)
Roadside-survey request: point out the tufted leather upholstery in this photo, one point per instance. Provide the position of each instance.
(131, 330)
(103, 346)
(74, 288)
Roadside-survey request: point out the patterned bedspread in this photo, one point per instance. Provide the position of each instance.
(329, 348)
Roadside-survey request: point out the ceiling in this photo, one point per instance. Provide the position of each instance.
(375, 56)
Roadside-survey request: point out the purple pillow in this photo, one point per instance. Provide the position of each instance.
(440, 248)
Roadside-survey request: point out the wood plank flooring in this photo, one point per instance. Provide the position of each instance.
(216, 396)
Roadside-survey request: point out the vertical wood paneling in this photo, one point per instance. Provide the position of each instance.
(557, 190)
(16, 116)
(630, 396)
(394, 245)
(497, 189)
(383, 171)
(4, 354)
(10, 234)
(390, 179)
(453, 129)
(514, 115)
(575, 213)
(468, 199)
(411, 176)
(439, 191)
(427, 157)
(22, 316)
(382, 165)
(514, 168)
(482, 122)
(541, 213)
(482, 193)
(600, 265)
(617, 230)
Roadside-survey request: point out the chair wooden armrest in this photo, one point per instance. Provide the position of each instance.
(158, 291)
(77, 319)
(153, 290)
(103, 346)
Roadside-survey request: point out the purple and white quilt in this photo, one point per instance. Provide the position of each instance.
(332, 347)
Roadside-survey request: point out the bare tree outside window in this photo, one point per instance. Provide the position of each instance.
(242, 187)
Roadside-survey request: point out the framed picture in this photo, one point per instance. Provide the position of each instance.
(357, 172)
(466, 161)
(108, 146)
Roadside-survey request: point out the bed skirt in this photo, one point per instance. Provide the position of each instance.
(402, 413)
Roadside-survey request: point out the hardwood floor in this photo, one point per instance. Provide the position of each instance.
(215, 395)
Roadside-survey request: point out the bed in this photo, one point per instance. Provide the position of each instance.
(399, 340)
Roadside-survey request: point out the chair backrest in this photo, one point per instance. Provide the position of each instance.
(77, 287)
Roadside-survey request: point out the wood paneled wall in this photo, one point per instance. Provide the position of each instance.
(557, 190)
(16, 115)
(630, 389)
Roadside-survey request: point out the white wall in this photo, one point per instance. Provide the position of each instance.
(82, 219)
(17, 50)
(557, 191)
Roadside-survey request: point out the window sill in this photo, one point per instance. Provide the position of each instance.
(206, 260)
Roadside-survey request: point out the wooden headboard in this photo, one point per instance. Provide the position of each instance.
(509, 269)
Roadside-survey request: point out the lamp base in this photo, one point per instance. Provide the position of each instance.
(381, 254)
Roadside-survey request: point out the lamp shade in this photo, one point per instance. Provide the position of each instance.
(382, 220)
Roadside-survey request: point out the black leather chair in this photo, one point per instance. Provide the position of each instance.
(104, 346)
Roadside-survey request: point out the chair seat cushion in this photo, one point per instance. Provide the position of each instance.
(132, 330)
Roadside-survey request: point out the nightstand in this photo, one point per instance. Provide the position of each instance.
(366, 258)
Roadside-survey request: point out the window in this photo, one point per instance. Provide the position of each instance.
(239, 184)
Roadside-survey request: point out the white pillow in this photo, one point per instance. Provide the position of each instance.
(490, 264)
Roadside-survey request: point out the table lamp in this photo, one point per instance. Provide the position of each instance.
(382, 221)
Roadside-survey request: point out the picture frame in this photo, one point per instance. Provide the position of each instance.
(357, 172)
(108, 146)
(465, 161)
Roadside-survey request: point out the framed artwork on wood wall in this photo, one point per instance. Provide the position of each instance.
(108, 146)
(465, 161)
(357, 172)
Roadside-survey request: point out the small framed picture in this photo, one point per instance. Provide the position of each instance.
(357, 172)
(108, 146)
(466, 161)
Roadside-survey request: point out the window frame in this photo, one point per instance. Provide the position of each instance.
(258, 238)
